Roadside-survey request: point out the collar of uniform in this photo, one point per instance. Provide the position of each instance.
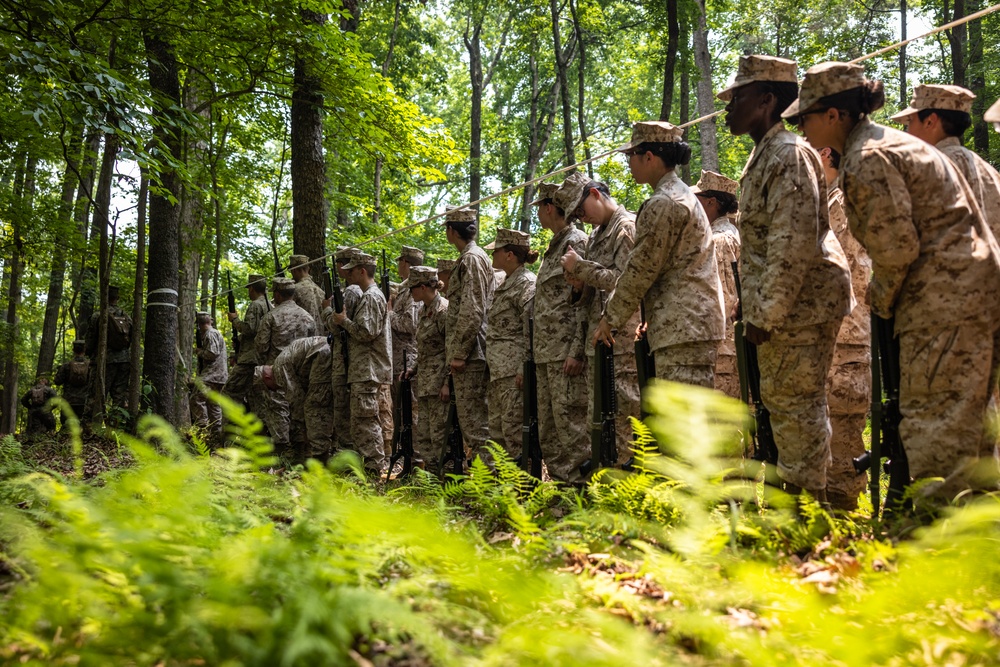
(468, 248)
(854, 136)
(832, 189)
(759, 148)
(306, 278)
(721, 220)
(557, 237)
(514, 275)
(669, 176)
(948, 142)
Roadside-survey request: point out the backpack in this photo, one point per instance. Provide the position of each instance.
(38, 396)
(78, 371)
(119, 331)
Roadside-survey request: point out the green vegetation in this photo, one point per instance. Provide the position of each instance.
(183, 558)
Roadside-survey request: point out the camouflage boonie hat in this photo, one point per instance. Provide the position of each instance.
(345, 254)
(421, 275)
(711, 181)
(447, 264)
(360, 259)
(506, 237)
(992, 115)
(545, 191)
(413, 256)
(654, 132)
(282, 284)
(297, 260)
(930, 96)
(571, 192)
(761, 68)
(823, 80)
(453, 214)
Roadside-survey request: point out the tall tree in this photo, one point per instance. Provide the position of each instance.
(563, 57)
(670, 60)
(706, 98)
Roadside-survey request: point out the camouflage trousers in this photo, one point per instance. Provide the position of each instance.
(371, 422)
(205, 412)
(506, 414)
(848, 394)
(311, 428)
(341, 401)
(727, 376)
(40, 420)
(563, 429)
(688, 363)
(273, 410)
(629, 403)
(240, 383)
(473, 406)
(793, 369)
(116, 382)
(428, 433)
(943, 396)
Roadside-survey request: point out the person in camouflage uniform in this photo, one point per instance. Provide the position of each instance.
(369, 371)
(795, 279)
(936, 271)
(308, 294)
(213, 370)
(560, 358)
(302, 373)
(672, 267)
(403, 314)
(117, 363)
(593, 280)
(36, 400)
(285, 322)
(444, 268)
(717, 196)
(73, 377)
(240, 380)
(430, 365)
(507, 337)
(339, 354)
(470, 293)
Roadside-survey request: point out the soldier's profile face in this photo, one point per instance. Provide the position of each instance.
(743, 109)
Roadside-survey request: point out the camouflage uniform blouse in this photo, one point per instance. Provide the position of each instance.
(301, 365)
(247, 330)
(352, 294)
(369, 343)
(672, 267)
(310, 297)
(403, 320)
(507, 324)
(433, 362)
(608, 249)
(283, 324)
(213, 353)
(726, 239)
(470, 292)
(982, 177)
(856, 328)
(934, 260)
(793, 271)
(558, 331)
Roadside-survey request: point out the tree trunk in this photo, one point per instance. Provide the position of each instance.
(309, 210)
(352, 21)
(903, 97)
(977, 83)
(274, 207)
(958, 39)
(538, 139)
(706, 98)
(377, 180)
(562, 65)
(673, 37)
(100, 224)
(57, 270)
(472, 44)
(684, 115)
(582, 87)
(135, 348)
(83, 276)
(160, 338)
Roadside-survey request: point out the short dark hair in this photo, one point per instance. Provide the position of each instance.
(954, 123)
(369, 269)
(287, 292)
(672, 153)
(600, 186)
(465, 230)
(728, 204)
(855, 102)
(785, 92)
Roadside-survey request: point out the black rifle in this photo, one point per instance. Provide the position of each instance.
(453, 450)
(886, 443)
(531, 448)
(384, 278)
(603, 437)
(404, 438)
(338, 307)
(645, 362)
(764, 447)
(199, 341)
(232, 309)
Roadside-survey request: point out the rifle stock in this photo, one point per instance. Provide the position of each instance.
(453, 450)
(404, 447)
(384, 278)
(531, 449)
(644, 361)
(232, 309)
(603, 436)
(338, 307)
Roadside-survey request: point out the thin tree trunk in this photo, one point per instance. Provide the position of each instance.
(581, 71)
(472, 44)
(685, 95)
(903, 96)
(562, 64)
(135, 348)
(958, 39)
(377, 180)
(83, 276)
(706, 98)
(277, 198)
(100, 225)
(539, 136)
(673, 37)
(977, 83)
(160, 338)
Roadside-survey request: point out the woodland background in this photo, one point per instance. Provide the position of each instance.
(238, 132)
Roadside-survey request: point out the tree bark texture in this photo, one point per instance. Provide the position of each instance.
(670, 63)
(563, 59)
(135, 348)
(100, 226)
(706, 98)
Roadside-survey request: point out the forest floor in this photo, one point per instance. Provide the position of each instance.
(162, 554)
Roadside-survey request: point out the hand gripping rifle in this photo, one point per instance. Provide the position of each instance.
(384, 278)
(603, 437)
(338, 307)
(764, 447)
(404, 448)
(886, 442)
(531, 448)
(232, 309)
(199, 343)
(644, 361)
(453, 451)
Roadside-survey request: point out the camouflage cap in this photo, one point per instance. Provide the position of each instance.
(411, 255)
(446, 264)
(113, 291)
(822, 81)
(79, 343)
(931, 96)
(421, 275)
(345, 254)
(282, 284)
(545, 192)
(571, 192)
(652, 131)
(992, 115)
(761, 68)
(203, 316)
(506, 237)
(710, 181)
(455, 214)
(360, 259)
(255, 278)
(297, 260)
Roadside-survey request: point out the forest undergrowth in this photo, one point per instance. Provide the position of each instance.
(179, 556)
